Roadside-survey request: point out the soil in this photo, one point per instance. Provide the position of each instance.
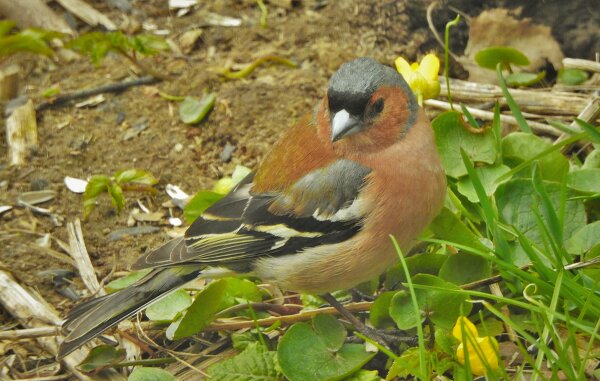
(249, 114)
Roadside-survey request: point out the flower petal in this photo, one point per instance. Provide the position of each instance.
(430, 67)
(402, 66)
(469, 328)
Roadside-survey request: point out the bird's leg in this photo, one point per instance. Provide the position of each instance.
(380, 336)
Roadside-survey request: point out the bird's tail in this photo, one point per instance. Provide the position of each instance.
(91, 318)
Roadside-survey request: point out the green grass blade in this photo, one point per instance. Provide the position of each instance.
(514, 108)
(592, 131)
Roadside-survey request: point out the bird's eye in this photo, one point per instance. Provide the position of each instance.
(378, 106)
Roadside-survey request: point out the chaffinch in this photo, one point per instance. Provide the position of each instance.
(317, 215)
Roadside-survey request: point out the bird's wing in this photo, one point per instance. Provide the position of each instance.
(322, 207)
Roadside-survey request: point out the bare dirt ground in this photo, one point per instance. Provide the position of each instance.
(250, 114)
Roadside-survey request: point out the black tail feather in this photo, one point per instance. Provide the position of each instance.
(91, 318)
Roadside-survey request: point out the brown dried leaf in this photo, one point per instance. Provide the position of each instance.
(496, 27)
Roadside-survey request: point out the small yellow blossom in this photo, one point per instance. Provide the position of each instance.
(421, 77)
(482, 351)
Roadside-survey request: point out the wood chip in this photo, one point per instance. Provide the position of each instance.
(21, 133)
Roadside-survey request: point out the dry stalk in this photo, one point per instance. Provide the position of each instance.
(82, 259)
(31, 311)
(533, 101)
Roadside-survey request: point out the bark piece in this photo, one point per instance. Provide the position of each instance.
(21, 133)
(9, 82)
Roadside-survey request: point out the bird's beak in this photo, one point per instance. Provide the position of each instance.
(343, 124)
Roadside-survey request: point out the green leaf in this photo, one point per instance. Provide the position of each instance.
(223, 185)
(141, 373)
(96, 186)
(126, 281)
(116, 196)
(571, 77)
(148, 44)
(24, 43)
(585, 180)
(238, 291)
(520, 146)
(330, 331)
(241, 340)
(514, 107)
(515, 200)
(239, 173)
(463, 268)
(101, 357)
(192, 110)
(135, 176)
(406, 364)
(170, 307)
(255, 363)
(51, 91)
(364, 375)
(524, 79)
(584, 239)
(6, 26)
(441, 306)
(592, 160)
(489, 58)
(199, 203)
(488, 176)
(96, 45)
(451, 136)
(380, 310)
(200, 313)
(118, 41)
(305, 354)
(449, 227)
(428, 263)
(592, 131)
(226, 184)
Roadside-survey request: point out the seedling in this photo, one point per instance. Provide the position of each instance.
(506, 56)
(97, 45)
(128, 180)
(28, 40)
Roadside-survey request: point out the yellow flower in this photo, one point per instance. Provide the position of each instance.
(481, 351)
(422, 78)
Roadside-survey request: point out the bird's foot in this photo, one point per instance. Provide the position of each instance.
(388, 337)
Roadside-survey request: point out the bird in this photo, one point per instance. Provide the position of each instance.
(317, 214)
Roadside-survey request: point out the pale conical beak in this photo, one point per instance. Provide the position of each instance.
(343, 124)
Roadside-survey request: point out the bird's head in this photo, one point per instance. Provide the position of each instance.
(368, 107)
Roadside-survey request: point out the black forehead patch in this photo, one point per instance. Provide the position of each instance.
(352, 86)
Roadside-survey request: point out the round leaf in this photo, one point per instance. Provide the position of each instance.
(489, 58)
(515, 200)
(440, 305)
(305, 355)
(463, 268)
(451, 136)
(520, 146)
(524, 79)
(380, 310)
(487, 175)
(572, 77)
(585, 180)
